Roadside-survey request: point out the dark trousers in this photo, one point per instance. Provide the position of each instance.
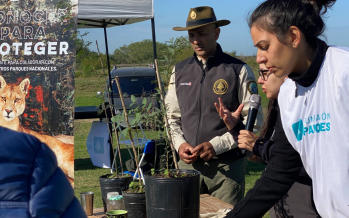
(298, 202)
(223, 179)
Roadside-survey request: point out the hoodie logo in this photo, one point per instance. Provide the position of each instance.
(298, 130)
(311, 125)
(220, 87)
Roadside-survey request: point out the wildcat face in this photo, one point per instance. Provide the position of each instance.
(12, 105)
(12, 99)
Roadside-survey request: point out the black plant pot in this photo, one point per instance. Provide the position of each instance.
(173, 197)
(134, 204)
(112, 185)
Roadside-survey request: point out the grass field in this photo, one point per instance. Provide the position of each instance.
(87, 175)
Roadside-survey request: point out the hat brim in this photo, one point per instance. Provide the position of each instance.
(218, 22)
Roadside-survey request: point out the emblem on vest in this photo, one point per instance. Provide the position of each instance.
(220, 87)
(252, 87)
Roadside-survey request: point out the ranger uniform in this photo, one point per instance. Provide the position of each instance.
(195, 86)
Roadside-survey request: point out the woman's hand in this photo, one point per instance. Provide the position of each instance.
(230, 119)
(247, 140)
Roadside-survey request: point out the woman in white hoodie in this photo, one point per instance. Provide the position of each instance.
(313, 106)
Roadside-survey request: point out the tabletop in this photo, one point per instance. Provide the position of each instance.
(208, 204)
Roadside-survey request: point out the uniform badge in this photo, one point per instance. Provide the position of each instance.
(220, 87)
(252, 87)
(193, 15)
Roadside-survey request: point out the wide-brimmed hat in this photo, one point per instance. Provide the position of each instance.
(201, 16)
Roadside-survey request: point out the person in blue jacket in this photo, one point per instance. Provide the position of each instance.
(31, 184)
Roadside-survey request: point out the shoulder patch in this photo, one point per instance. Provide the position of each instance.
(252, 87)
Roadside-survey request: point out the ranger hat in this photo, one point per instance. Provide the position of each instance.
(201, 16)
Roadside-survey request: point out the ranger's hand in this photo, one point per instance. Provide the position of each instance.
(185, 153)
(205, 151)
(230, 119)
(246, 140)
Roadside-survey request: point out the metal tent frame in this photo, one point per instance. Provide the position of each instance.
(92, 15)
(110, 13)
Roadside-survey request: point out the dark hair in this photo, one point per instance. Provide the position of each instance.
(270, 120)
(277, 16)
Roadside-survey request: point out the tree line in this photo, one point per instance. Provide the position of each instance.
(169, 53)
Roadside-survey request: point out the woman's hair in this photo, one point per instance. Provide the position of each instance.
(277, 16)
(270, 121)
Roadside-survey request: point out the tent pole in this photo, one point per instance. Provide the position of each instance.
(154, 39)
(111, 105)
(162, 94)
(109, 74)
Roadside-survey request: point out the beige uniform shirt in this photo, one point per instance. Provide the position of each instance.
(222, 143)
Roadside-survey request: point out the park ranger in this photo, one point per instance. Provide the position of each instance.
(199, 135)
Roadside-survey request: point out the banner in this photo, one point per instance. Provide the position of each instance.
(37, 58)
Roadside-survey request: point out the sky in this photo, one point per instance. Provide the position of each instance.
(235, 36)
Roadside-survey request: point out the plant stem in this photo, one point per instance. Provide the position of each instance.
(163, 107)
(128, 126)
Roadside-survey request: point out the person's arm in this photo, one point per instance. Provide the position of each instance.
(278, 177)
(259, 146)
(174, 113)
(262, 148)
(174, 119)
(227, 142)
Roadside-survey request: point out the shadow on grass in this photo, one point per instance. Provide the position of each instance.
(83, 164)
(253, 167)
(86, 163)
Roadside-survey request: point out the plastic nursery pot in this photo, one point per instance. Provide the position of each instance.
(134, 204)
(173, 197)
(116, 214)
(112, 185)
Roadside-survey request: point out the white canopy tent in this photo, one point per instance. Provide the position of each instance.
(97, 13)
(110, 13)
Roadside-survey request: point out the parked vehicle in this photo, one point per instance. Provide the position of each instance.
(138, 81)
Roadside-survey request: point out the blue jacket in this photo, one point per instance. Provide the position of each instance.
(31, 184)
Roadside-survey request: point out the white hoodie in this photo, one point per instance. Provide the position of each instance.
(316, 123)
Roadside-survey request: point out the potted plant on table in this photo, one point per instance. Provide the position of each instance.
(112, 182)
(169, 192)
(134, 195)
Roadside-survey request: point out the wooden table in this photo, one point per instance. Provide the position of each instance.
(208, 204)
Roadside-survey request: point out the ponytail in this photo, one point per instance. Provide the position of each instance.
(322, 5)
(277, 16)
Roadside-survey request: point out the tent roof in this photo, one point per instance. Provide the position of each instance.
(92, 13)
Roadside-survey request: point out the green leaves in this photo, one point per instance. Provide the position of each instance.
(133, 99)
(118, 118)
(149, 106)
(125, 131)
(135, 188)
(137, 119)
(144, 101)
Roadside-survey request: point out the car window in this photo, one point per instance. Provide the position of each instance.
(135, 85)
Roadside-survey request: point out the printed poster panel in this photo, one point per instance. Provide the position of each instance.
(37, 58)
